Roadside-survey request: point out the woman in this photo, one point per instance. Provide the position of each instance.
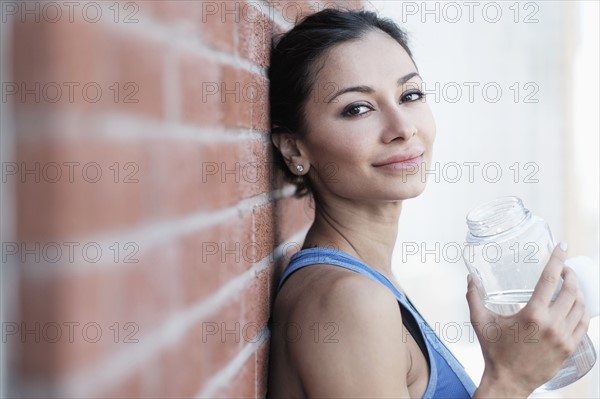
(345, 93)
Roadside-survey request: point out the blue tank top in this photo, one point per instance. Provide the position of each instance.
(447, 377)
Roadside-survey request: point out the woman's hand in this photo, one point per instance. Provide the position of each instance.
(525, 350)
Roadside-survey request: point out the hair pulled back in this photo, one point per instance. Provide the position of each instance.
(294, 67)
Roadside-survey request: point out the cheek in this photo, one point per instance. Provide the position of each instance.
(345, 153)
(336, 142)
(428, 126)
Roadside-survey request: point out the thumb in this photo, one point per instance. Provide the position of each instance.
(479, 313)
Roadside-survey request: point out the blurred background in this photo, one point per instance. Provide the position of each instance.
(143, 227)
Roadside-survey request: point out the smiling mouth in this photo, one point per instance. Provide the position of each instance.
(401, 162)
(404, 165)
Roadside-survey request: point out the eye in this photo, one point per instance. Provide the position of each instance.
(354, 110)
(412, 96)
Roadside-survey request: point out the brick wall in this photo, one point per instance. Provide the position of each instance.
(143, 218)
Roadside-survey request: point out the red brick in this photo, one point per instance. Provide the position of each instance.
(228, 172)
(254, 32)
(58, 207)
(239, 89)
(212, 95)
(198, 279)
(219, 188)
(148, 292)
(126, 302)
(60, 51)
(256, 172)
(184, 176)
(173, 11)
(213, 257)
(140, 62)
(176, 188)
(260, 108)
(105, 69)
(353, 4)
(200, 91)
(163, 189)
(43, 302)
(67, 60)
(243, 384)
(265, 230)
(199, 355)
(292, 215)
(131, 386)
(257, 303)
(171, 184)
(262, 365)
(293, 11)
(221, 348)
(217, 26)
(179, 366)
(36, 355)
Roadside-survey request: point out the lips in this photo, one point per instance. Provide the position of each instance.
(409, 157)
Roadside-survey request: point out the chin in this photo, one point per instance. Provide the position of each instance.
(407, 191)
(411, 195)
(412, 190)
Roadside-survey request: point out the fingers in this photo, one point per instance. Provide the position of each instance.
(581, 328)
(577, 314)
(578, 317)
(578, 335)
(568, 294)
(550, 278)
(479, 313)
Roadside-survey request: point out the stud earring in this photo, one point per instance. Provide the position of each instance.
(300, 168)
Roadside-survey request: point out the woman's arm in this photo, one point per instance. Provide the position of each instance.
(529, 348)
(366, 356)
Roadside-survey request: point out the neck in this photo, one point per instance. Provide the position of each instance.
(365, 231)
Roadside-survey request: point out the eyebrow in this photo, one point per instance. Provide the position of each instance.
(367, 89)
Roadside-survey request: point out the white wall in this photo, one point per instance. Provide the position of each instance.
(528, 57)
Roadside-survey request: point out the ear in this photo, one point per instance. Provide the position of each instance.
(292, 151)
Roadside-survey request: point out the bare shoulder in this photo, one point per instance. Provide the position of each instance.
(356, 297)
(323, 293)
(348, 335)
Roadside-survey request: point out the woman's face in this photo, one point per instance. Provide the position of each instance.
(369, 131)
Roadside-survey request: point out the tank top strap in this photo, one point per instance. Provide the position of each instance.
(326, 256)
(331, 256)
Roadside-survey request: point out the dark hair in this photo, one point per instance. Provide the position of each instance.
(293, 69)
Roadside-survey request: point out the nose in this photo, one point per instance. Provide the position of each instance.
(399, 124)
